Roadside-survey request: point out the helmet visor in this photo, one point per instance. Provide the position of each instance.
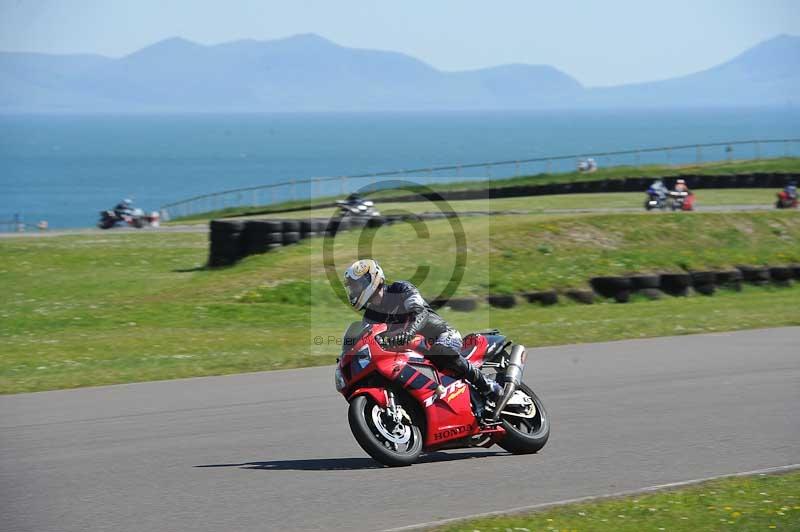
(356, 287)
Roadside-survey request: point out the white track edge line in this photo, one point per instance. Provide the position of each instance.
(591, 498)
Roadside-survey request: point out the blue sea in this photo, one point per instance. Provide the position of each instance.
(65, 168)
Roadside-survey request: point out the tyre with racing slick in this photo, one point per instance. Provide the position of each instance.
(525, 435)
(390, 443)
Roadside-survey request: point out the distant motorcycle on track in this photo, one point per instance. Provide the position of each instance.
(655, 200)
(681, 200)
(354, 205)
(135, 218)
(786, 200)
(402, 405)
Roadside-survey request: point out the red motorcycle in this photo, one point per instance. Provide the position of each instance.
(681, 200)
(786, 201)
(402, 405)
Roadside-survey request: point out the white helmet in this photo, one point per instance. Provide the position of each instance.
(361, 280)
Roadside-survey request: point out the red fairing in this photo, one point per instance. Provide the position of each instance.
(377, 394)
(448, 417)
(688, 203)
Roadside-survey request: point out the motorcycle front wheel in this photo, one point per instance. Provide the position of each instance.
(389, 443)
(526, 435)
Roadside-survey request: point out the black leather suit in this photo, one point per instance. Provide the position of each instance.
(407, 313)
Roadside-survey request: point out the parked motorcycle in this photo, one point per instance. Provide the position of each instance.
(136, 218)
(786, 200)
(402, 405)
(681, 201)
(355, 206)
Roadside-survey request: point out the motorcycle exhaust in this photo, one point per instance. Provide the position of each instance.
(513, 377)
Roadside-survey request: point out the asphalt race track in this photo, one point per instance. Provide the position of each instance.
(272, 451)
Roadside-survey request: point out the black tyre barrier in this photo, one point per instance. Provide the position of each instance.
(703, 278)
(611, 286)
(622, 296)
(676, 284)
(463, 304)
(291, 226)
(376, 221)
(291, 238)
(264, 226)
(781, 275)
(615, 185)
(758, 275)
(795, 270)
(436, 304)
(731, 279)
(260, 242)
(580, 296)
(336, 226)
(651, 293)
(545, 298)
(705, 289)
(223, 238)
(226, 226)
(393, 218)
(358, 222)
(310, 226)
(501, 301)
(641, 282)
(219, 261)
(258, 234)
(272, 247)
(225, 252)
(704, 282)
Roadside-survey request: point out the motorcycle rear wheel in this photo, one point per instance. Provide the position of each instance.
(371, 436)
(526, 436)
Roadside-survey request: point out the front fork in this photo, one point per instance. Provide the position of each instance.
(395, 411)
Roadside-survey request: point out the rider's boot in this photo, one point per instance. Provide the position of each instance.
(489, 389)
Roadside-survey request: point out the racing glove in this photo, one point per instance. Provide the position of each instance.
(396, 340)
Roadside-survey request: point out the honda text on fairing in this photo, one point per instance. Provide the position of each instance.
(402, 405)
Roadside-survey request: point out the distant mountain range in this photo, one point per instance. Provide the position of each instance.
(309, 73)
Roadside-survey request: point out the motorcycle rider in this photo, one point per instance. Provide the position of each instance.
(124, 207)
(400, 303)
(680, 186)
(791, 190)
(659, 189)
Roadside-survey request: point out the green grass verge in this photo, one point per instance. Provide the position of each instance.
(102, 309)
(779, 165)
(762, 502)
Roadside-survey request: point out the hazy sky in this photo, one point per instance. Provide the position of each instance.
(598, 42)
